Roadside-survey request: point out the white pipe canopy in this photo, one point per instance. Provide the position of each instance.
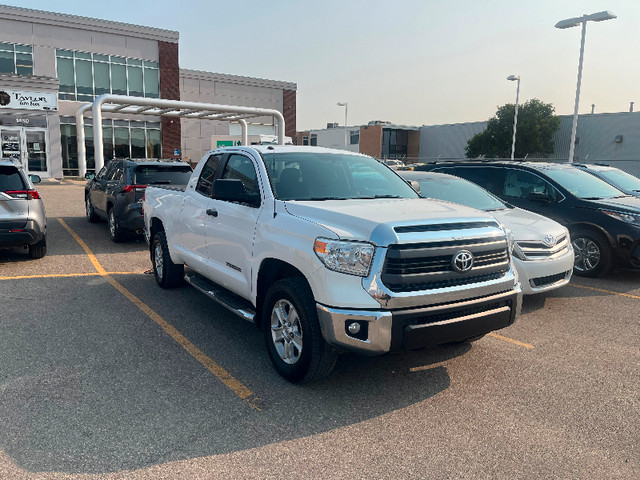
(127, 105)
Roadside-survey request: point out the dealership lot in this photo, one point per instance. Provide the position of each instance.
(105, 375)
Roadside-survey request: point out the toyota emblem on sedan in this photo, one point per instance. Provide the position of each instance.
(462, 261)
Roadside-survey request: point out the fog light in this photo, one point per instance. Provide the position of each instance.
(354, 328)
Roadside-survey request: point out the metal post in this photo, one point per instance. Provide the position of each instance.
(245, 133)
(345, 124)
(515, 122)
(98, 147)
(80, 140)
(574, 127)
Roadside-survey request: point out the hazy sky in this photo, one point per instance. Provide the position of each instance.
(411, 62)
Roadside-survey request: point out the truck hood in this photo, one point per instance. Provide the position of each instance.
(527, 226)
(356, 219)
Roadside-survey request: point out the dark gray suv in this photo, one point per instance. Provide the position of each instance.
(23, 222)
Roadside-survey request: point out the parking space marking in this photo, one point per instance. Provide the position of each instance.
(57, 275)
(220, 373)
(511, 340)
(606, 291)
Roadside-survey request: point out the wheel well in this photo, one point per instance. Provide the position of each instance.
(272, 270)
(591, 228)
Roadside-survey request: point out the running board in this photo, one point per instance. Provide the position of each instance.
(224, 297)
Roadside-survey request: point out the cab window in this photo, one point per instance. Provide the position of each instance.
(205, 182)
(241, 168)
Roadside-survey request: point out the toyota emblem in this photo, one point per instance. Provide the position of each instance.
(462, 261)
(549, 240)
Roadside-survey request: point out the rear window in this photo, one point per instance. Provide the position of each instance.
(163, 174)
(10, 179)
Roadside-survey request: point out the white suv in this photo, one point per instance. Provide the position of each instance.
(23, 222)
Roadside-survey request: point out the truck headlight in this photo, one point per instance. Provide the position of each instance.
(353, 258)
(623, 217)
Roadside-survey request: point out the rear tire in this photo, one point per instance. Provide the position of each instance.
(292, 333)
(167, 273)
(38, 250)
(593, 253)
(115, 232)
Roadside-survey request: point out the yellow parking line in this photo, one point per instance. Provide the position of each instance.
(221, 374)
(57, 275)
(511, 340)
(606, 291)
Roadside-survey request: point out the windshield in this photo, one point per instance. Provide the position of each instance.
(461, 191)
(328, 176)
(163, 174)
(624, 179)
(583, 184)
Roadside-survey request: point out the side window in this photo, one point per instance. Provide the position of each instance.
(241, 168)
(106, 171)
(207, 175)
(489, 178)
(519, 184)
(116, 173)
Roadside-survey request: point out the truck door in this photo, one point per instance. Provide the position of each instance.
(190, 228)
(230, 229)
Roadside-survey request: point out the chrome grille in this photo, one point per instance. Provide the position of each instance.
(538, 250)
(423, 266)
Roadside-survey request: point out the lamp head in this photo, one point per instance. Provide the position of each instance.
(341, 104)
(513, 77)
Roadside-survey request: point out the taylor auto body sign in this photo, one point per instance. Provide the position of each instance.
(23, 100)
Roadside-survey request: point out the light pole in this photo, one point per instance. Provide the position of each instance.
(344, 104)
(515, 115)
(574, 22)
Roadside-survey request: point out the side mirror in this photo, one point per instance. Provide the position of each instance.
(232, 190)
(35, 178)
(89, 175)
(539, 197)
(415, 185)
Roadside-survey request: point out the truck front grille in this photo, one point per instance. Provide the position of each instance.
(426, 266)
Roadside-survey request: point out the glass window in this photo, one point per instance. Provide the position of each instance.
(520, 184)
(138, 144)
(154, 144)
(457, 190)
(121, 138)
(305, 140)
(205, 182)
(162, 174)
(314, 140)
(133, 61)
(66, 76)
(134, 79)
(118, 79)
(107, 141)
(622, 178)
(10, 179)
(582, 184)
(100, 58)
(84, 80)
(354, 137)
(101, 78)
(83, 55)
(151, 83)
(241, 168)
(7, 62)
(24, 64)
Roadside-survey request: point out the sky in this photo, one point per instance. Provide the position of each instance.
(410, 62)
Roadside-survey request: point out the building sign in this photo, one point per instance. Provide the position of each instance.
(13, 120)
(21, 99)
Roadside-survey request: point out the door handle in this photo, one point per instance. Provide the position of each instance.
(212, 211)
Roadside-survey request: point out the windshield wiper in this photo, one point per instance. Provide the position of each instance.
(623, 196)
(380, 196)
(321, 199)
(591, 198)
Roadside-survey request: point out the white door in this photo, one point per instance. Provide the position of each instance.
(29, 145)
(11, 143)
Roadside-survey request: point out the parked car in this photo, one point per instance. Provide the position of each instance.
(23, 221)
(542, 253)
(393, 163)
(620, 179)
(603, 221)
(115, 193)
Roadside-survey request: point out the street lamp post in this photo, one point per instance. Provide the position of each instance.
(515, 115)
(345, 105)
(574, 22)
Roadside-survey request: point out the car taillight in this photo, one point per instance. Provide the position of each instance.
(128, 188)
(28, 194)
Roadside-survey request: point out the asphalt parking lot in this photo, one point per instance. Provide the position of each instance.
(105, 375)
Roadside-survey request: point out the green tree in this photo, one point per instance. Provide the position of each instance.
(534, 134)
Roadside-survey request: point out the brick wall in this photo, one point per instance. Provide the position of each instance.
(371, 140)
(170, 90)
(289, 113)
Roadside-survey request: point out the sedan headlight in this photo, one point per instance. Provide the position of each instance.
(623, 217)
(353, 258)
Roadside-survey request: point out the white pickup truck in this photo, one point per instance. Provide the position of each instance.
(328, 251)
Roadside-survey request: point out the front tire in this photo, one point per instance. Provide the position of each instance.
(292, 333)
(167, 273)
(593, 254)
(92, 217)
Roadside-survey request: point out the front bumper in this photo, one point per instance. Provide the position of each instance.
(537, 276)
(382, 331)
